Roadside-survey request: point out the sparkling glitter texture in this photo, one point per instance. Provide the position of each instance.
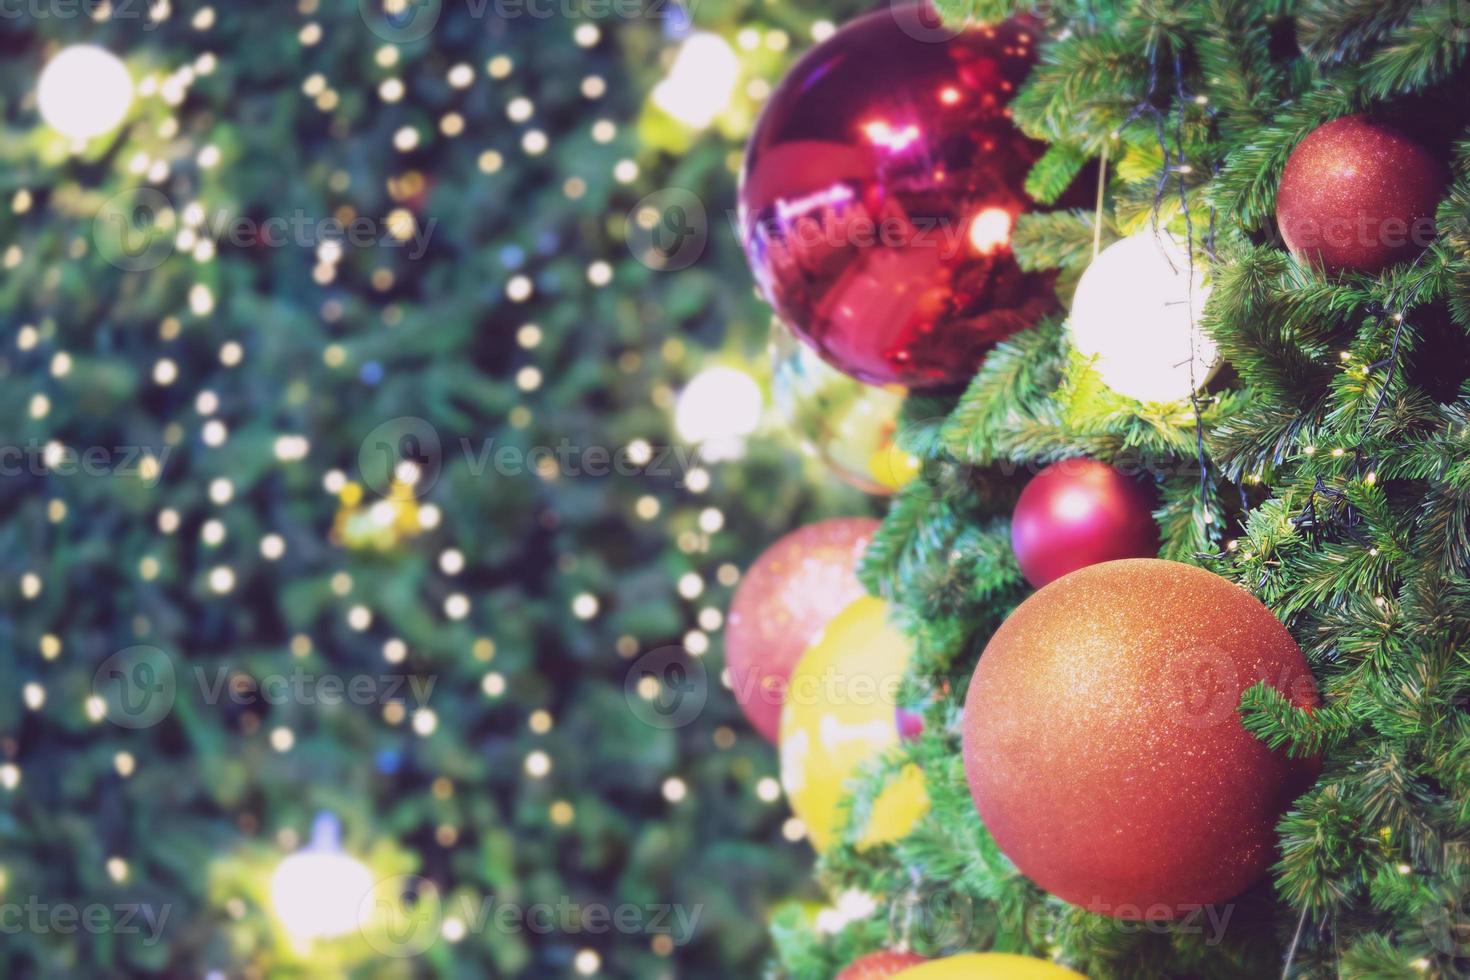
(880, 190)
(1358, 196)
(1081, 512)
(879, 966)
(1103, 743)
(792, 591)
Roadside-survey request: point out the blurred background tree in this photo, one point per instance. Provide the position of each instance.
(333, 361)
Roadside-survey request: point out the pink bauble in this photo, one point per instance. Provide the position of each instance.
(789, 596)
(1080, 512)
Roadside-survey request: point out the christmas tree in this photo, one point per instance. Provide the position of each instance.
(345, 518)
(1255, 217)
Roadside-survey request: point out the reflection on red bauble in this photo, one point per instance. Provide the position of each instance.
(1080, 512)
(879, 193)
(788, 597)
(880, 965)
(1359, 196)
(1103, 741)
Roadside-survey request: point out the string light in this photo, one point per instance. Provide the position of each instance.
(700, 82)
(717, 410)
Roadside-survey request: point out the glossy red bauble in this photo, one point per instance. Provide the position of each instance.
(784, 601)
(1079, 512)
(1358, 195)
(879, 194)
(1103, 742)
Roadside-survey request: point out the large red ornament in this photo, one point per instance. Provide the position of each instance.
(790, 594)
(1359, 196)
(880, 965)
(1103, 741)
(1080, 512)
(879, 193)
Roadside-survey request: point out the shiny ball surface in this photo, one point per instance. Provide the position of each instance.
(850, 426)
(879, 965)
(1080, 512)
(793, 590)
(989, 966)
(1358, 195)
(838, 717)
(1103, 743)
(879, 193)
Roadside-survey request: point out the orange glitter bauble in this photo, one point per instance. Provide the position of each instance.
(880, 965)
(1103, 741)
(793, 590)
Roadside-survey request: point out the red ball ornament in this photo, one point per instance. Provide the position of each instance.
(788, 596)
(879, 193)
(1104, 747)
(1359, 196)
(1080, 512)
(880, 965)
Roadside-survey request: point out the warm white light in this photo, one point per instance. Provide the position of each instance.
(717, 409)
(701, 81)
(990, 230)
(1137, 312)
(316, 892)
(84, 91)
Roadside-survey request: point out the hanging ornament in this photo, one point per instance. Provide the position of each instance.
(84, 91)
(1136, 312)
(793, 590)
(879, 193)
(880, 965)
(1358, 196)
(838, 716)
(989, 966)
(317, 892)
(909, 715)
(1080, 512)
(1103, 742)
(848, 425)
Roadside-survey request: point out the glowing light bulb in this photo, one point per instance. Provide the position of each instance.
(84, 91)
(317, 892)
(1137, 311)
(701, 81)
(716, 411)
(990, 230)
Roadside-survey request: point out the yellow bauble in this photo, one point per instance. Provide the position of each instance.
(850, 426)
(840, 714)
(988, 966)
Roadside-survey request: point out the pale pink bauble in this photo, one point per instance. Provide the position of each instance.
(790, 594)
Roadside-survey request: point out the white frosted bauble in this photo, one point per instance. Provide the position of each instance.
(84, 91)
(1137, 312)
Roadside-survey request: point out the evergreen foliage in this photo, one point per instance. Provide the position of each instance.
(1335, 488)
